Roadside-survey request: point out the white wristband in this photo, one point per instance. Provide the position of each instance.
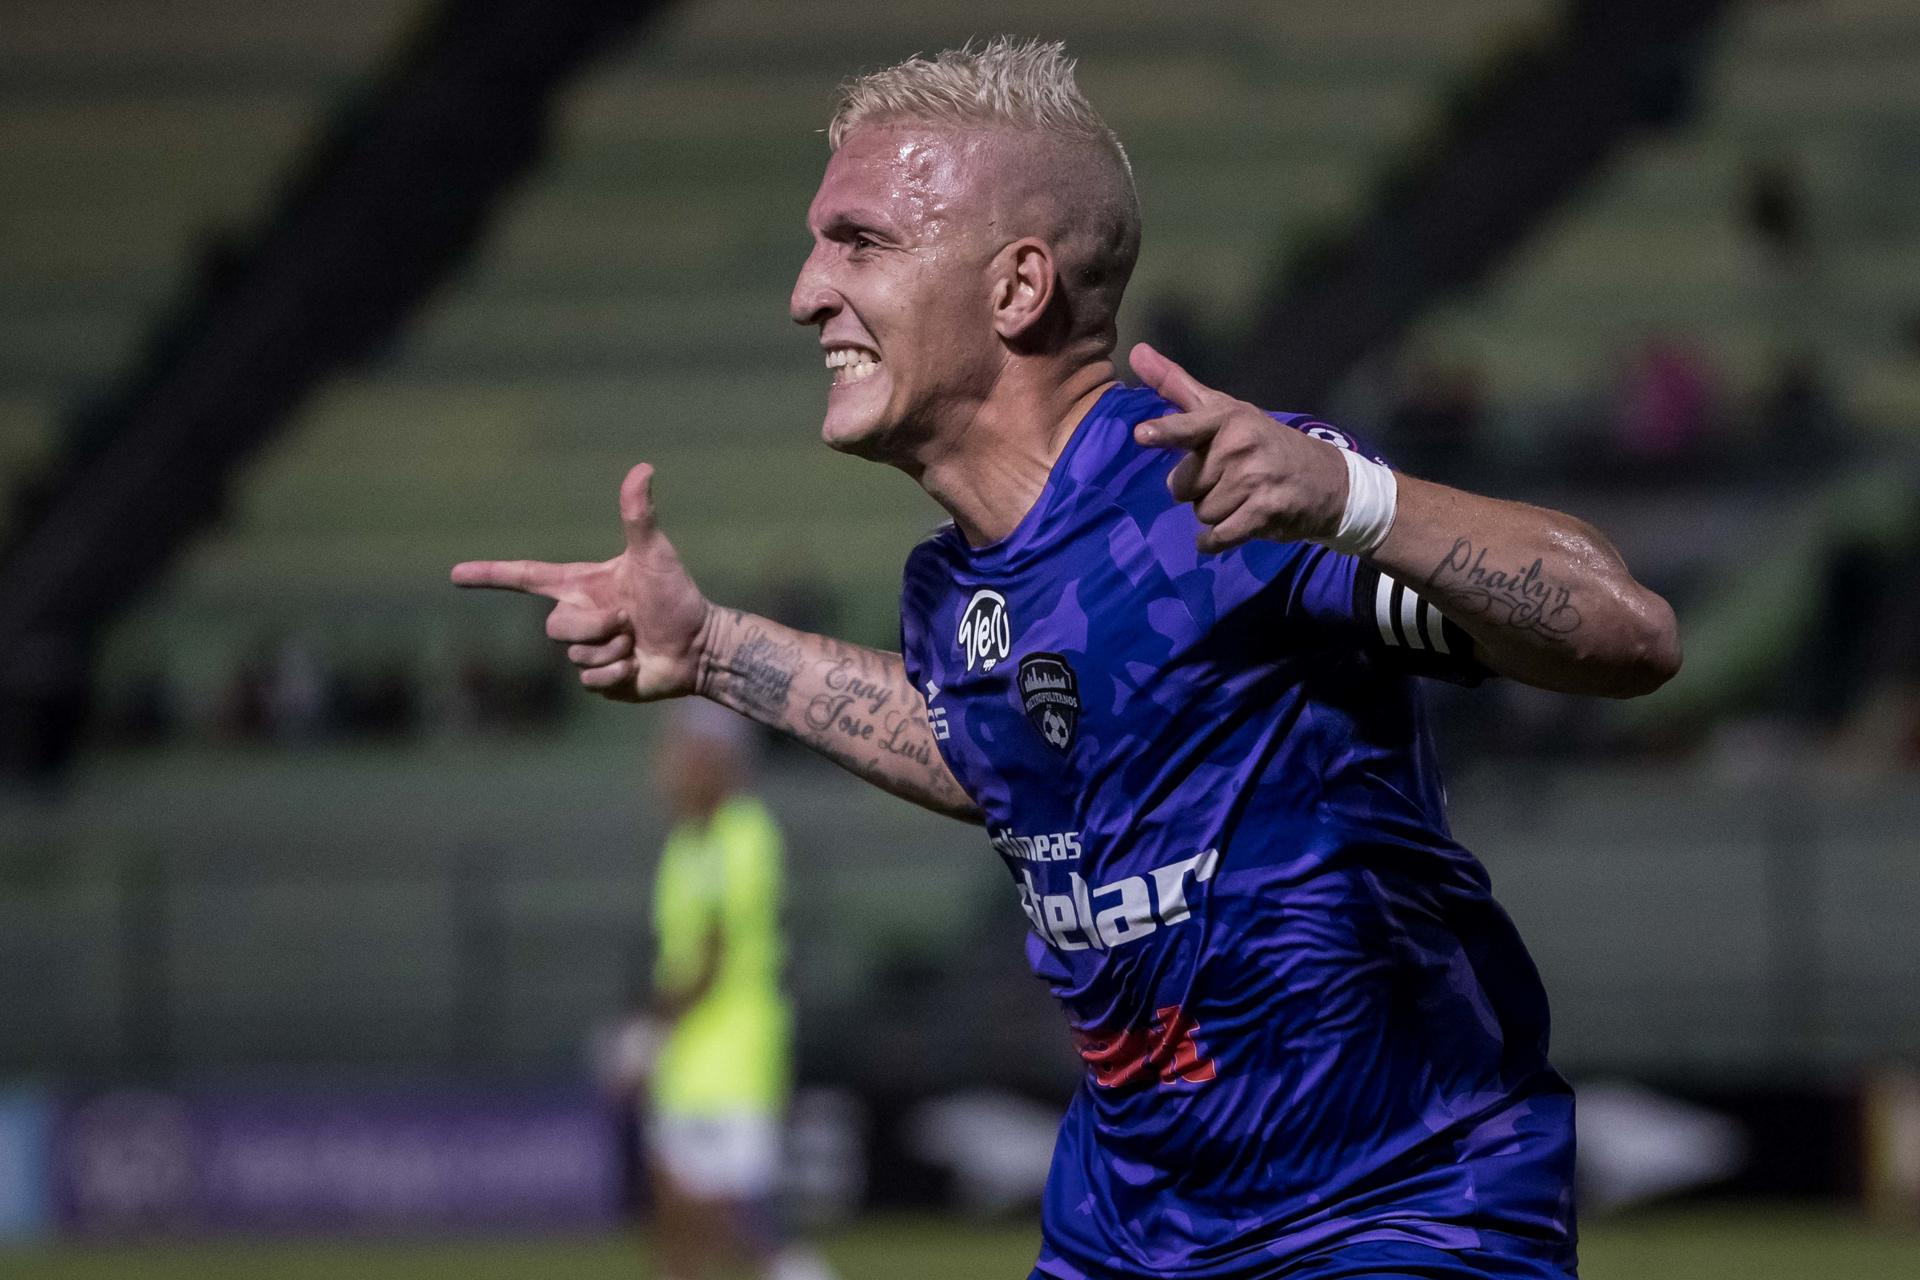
(1373, 494)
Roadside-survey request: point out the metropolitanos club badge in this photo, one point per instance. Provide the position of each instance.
(1050, 691)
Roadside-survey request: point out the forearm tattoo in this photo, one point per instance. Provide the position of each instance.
(757, 676)
(865, 710)
(866, 717)
(849, 703)
(1521, 598)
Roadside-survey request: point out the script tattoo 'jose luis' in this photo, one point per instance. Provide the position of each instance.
(861, 709)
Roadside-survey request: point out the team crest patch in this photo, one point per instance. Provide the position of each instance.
(986, 633)
(1050, 691)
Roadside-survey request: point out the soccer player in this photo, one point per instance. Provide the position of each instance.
(720, 1078)
(1164, 653)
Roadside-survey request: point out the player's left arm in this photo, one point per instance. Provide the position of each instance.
(670, 1004)
(1545, 596)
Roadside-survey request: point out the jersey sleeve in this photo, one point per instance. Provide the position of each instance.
(1340, 599)
(1348, 597)
(918, 594)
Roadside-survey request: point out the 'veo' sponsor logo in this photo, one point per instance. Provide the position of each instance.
(986, 635)
(1112, 915)
(1050, 691)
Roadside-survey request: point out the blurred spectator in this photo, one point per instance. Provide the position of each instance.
(243, 701)
(1435, 426)
(1797, 420)
(142, 713)
(1668, 406)
(470, 706)
(1773, 211)
(286, 691)
(383, 702)
(281, 690)
(539, 693)
(1857, 673)
(487, 696)
(298, 693)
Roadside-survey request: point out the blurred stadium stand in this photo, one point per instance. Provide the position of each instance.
(477, 912)
(633, 304)
(1827, 92)
(446, 900)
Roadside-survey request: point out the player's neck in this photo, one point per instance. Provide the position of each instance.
(989, 476)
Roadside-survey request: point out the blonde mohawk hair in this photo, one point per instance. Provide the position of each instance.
(1004, 83)
(1072, 184)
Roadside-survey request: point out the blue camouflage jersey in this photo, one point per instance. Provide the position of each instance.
(1306, 1024)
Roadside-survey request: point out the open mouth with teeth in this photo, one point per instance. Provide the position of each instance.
(851, 364)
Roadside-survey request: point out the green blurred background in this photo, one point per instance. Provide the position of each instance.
(317, 817)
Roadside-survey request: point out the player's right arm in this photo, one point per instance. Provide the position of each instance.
(639, 630)
(854, 705)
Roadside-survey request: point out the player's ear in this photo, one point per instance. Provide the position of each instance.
(1024, 284)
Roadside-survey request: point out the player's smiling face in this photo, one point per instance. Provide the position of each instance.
(897, 284)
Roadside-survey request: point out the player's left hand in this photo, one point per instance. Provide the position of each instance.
(1246, 475)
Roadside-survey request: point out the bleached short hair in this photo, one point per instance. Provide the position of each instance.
(1028, 87)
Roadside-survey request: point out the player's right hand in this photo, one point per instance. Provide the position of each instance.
(632, 624)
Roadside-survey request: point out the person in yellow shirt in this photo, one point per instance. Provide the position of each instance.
(723, 1068)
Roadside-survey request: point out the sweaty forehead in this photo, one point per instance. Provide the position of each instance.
(919, 181)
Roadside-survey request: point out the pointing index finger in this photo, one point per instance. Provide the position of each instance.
(535, 577)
